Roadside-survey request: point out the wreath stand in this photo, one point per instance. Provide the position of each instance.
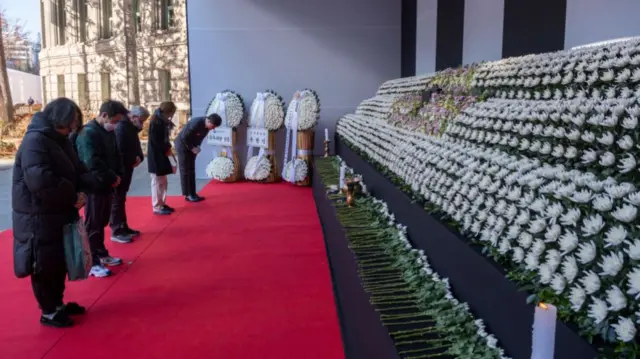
(304, 149)
(234, 157)
(274, 176)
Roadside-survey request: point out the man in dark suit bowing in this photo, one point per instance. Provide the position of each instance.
(188, 146)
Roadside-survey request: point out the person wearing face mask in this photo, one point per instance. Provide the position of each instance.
(130, 151)
(97, 148)
(188, 146)
(47, 193)
(158, 152)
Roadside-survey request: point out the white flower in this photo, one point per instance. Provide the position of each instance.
(592, 225)
(525, 240)
(625, 142)
(598, 310)
(568, 241)
(537, 225)
(612, 263)
(587, 252)
(257, 168)
(627, 164)
(221, 168)
(582, 196)
(532, 261)
(606, 139)
(273, 112)
(577, 297)
(558, 283)
(571, 217)
(590, 282)
(616, 299)
(607, 159)
(588, 136)
(634, 249)
(300, 169)
(553, 233)
(630, 123)
(545, 273)
(633, 198)
(602, 203)
(615, 236)
(234, 109)
(308, 110)
(518, 255)
(634, 282)
(627, 213)
(569, 268)
(589, 156)
(625, 329)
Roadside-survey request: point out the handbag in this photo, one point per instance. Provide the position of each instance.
(77, 251)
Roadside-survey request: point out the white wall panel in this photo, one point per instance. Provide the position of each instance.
(483, 20)
(591, 21)
(426, 27)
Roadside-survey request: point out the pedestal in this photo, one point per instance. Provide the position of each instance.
(274, 176)
(304, 144)
(234, 157)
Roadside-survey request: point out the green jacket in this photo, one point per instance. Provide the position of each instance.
(98, 150)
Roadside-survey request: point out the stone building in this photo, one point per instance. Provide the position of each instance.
(129, 50)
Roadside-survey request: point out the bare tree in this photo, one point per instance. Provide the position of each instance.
(6, 103)
(133, 86)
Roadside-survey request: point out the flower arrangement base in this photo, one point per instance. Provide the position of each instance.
(274, 176)
(304, 144)
(235, 158)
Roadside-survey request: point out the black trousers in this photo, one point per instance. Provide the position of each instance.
(48, 281)
(118, 219)
(96, 217)
(187, 165)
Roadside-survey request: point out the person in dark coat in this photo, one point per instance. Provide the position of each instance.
(158, 152)
(47, 192)
(97, 148)
(188, 146)
(130, 151)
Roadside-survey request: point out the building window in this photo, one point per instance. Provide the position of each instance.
(44, 90)
(106, 23)
(59, 20)
(164, 79)
(105, 85)
(137, 16)
(61, 86)
(80, 8)
(165, 14)
(82, 90)
(42, 27)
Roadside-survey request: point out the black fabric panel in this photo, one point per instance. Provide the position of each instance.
(474, 278)
(532, 27)
(363, 335)
(449, 34)
(408, 37)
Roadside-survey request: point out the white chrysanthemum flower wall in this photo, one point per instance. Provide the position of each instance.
(543, 173)
(220, 168)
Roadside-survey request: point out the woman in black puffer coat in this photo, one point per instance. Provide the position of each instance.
(48, 181)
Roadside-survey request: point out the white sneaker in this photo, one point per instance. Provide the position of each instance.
(110, 261)
(99, 272)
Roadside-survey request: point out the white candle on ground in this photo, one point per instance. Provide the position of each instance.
(342, 171)
(544, 331)
(326, 134)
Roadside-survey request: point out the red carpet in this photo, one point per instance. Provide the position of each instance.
(242, 275)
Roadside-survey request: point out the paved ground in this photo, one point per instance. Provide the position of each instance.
(139, 187)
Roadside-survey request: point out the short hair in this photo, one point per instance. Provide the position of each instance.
(139, 111)
(61, 112)
(215, 119)
(113, 108)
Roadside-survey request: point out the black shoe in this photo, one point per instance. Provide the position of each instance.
(193, 199)
(162, 212)
(171, 209)
(72, 308)
(131, 232)
(120, 236)
(60, 320)
(200, 197)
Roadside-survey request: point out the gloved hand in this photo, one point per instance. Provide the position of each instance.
(195, 150)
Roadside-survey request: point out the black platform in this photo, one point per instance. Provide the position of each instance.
(474, 279)
(363, 334)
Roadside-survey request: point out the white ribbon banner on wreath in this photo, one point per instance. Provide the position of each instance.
(257, 109)
(220, 138)
(291, 136)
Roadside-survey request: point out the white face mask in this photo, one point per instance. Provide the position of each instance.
(109, 126)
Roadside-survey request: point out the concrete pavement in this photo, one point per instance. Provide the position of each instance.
(140, 186)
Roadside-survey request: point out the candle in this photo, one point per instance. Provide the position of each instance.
(544, 331)
(326, 134)
(342, 171)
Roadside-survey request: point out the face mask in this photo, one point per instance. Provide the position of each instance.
(109, 126)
